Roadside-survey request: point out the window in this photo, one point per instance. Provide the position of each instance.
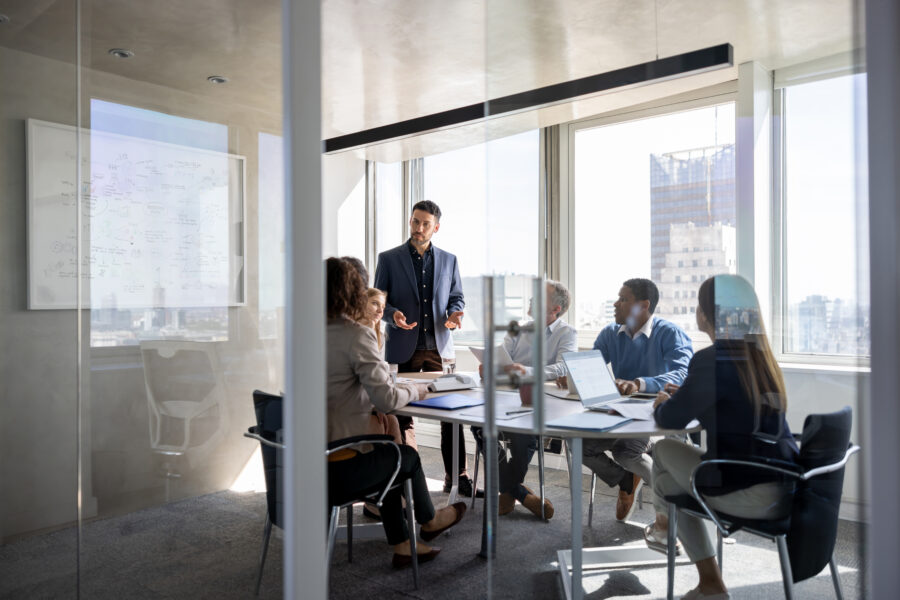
(825, 306)
(675, 175)
(499, 237)
(390, 230)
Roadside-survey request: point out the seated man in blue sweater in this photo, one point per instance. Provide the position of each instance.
(646, 353)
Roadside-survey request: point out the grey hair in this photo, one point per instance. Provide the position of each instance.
(559, 295)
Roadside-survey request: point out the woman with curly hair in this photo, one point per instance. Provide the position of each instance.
(358, 381)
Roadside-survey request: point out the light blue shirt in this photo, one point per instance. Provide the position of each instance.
(658, 354)
(561, 337)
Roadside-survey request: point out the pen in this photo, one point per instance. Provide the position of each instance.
(519, 412)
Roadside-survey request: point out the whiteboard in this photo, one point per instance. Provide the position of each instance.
(162, 225)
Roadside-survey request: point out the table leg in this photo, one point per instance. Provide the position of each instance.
(575, 489)
(454, 488)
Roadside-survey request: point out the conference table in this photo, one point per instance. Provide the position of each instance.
(577, 558)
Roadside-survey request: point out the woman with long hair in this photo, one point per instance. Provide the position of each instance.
(736, 390)
(358, 382)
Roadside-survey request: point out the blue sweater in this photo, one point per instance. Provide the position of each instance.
(660, 359)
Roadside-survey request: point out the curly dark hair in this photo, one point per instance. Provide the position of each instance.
(346, 291)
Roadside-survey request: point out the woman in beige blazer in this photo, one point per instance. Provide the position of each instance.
(359, 381)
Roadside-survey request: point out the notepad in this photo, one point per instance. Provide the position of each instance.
(589, 420)
(449, 402)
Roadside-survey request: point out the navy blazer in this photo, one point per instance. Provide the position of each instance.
(395, 275)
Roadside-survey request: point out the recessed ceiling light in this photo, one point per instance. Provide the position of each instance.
(121, 52)
(4, 19)
(217, 79)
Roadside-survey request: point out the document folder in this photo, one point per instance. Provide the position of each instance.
(589, 420)
(449, 402)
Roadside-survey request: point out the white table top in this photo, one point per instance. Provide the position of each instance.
(554, 408)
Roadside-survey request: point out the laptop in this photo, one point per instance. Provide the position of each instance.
(591, 379)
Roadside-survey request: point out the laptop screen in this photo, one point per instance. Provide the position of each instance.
(593, 381)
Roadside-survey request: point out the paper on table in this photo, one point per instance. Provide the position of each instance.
(589, 420)
(500, 414)
(641, 410)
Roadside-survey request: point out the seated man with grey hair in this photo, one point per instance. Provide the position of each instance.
(561, 337)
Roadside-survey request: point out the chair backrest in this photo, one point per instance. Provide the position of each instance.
(185, 384)
(814, 517)
(269, 419)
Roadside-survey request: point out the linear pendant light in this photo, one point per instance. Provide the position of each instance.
(655, 71)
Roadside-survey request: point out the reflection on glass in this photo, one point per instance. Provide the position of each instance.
(826, 312)
(165, 228)
(271, 235)
(351, 223)
(654, 198)
(489, 196)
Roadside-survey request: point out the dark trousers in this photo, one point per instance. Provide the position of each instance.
(369, 472)
(512, 469)
(430, 360)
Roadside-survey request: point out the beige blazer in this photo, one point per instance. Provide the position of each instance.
(358, 380)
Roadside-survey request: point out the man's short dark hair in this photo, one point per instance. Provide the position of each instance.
(644, 289)
(430, 207)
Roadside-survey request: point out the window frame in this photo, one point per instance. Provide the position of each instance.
(822, 69)
(702, 98)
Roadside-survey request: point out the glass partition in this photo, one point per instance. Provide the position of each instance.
(44, 430)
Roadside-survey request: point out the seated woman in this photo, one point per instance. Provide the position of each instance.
(736, 390)
(358, 380)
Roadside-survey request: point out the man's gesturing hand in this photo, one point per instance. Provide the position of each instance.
(400, 321)
(454, 321)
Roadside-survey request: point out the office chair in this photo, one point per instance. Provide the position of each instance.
(269, 421)
(806, 537)
(185, 400)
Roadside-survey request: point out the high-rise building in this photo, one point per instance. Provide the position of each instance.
(689, 186)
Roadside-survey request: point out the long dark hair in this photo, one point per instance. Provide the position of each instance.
(730, 305)
(346, 291)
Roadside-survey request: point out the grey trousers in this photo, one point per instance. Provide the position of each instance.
(673, 462)
(628, 454)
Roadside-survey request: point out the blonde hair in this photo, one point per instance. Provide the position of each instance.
(375, 293)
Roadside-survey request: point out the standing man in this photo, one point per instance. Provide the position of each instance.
(424, 302)
(646, 353)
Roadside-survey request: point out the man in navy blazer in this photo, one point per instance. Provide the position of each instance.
(424, 302)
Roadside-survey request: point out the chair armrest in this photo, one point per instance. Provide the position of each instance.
(780, 470)
(253, 435)
(853, 449)
(358, 440)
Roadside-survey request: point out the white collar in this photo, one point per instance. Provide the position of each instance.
(555, 325)
(646, 329)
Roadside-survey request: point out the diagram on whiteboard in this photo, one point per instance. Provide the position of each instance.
(161, 224)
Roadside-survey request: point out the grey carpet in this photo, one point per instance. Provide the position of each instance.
(208, 547)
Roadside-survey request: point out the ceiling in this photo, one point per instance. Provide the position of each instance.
(384, 62)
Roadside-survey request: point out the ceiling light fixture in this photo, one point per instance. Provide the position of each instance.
(121, 52)
(217, 79)
(655, 71)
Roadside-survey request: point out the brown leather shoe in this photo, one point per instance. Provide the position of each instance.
(507, 503)
(401, 560)
(533, 503)
(460, 508)
(625, 502)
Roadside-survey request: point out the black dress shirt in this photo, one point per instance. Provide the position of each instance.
(423, 265)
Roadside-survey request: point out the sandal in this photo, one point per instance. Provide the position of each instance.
(657, 539)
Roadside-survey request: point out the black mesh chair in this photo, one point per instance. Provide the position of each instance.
(806, 537)
(269, 421)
